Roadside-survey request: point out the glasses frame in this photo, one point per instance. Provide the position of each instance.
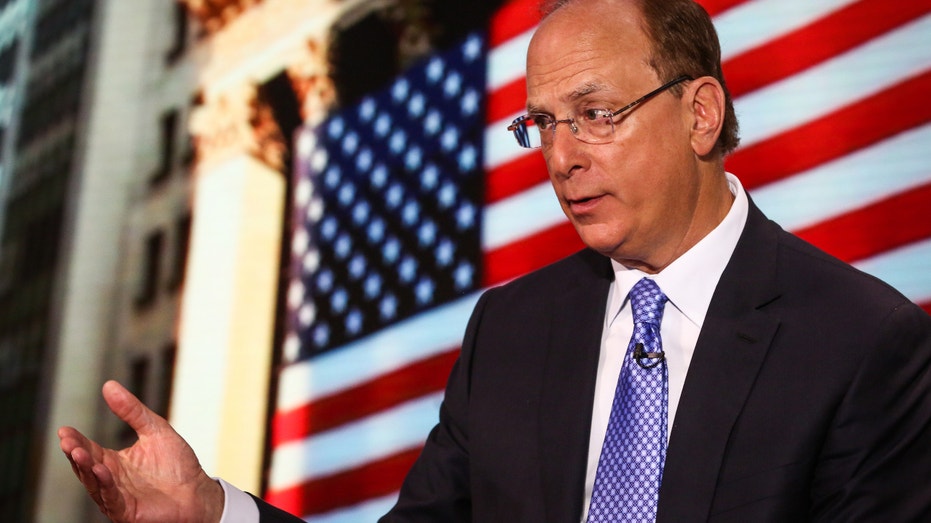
(520, 130)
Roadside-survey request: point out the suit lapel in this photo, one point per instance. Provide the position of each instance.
(730, 350)
(568, 387)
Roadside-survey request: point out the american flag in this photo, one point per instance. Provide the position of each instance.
(410, 203)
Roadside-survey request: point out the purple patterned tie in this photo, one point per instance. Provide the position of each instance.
(630, 467)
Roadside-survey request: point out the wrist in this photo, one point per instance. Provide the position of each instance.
(210, 492)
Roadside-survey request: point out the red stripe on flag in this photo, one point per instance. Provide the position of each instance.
(515, 18)
(372, 480)
(506, 100)
(515, 176)
(716, 7)
(529, 254)
(926, 306)
(835, 135)
(890, 223)
(817, 42)
(386, 391)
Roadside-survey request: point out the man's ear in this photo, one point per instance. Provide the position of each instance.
(706, 101)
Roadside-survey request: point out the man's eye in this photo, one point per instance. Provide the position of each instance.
(542, 121)
(595, 114)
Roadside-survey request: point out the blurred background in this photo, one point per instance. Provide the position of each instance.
(270, 218)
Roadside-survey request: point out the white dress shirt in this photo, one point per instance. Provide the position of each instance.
(688, 282)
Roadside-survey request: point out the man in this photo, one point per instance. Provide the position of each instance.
(795, 388)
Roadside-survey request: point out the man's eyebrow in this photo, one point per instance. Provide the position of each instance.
(574, 95)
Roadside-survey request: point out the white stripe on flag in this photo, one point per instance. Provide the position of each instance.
(520, 216)
(752, 24)
(507, 61)
(905, 268)
(354, 444)
(836, 83)
(850, 182)
(390, 349)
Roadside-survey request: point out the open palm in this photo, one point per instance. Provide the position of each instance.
(157, 479)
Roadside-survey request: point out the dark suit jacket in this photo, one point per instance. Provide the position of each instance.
(808, 398)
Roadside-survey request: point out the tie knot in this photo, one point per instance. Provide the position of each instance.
(647, 302)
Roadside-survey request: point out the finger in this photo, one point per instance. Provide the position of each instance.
(129, 409)
(83, 466)
(111, 499)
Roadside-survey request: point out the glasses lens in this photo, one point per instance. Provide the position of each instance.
(526, 132)
(595, 126)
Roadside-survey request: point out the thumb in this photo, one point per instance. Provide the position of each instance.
(129, 409)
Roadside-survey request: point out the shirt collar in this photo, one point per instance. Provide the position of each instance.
(689, 281)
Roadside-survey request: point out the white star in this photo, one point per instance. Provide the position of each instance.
(397, 142)
(394, 196)
(372, 286)
(391, 250)
(339, 300)
(367, 109)
(410, 213)
(413, 159)
(332, 176)
(467, 158)
(435, 69)
(325, 281)
(376, 230)
(364, 160)
(472, 48)
(343, 246)
(465, 216)
(350, 144)
(382, 125)
(447, 195)
(452, 85)
(449, 139)
(311, 261)
(354, 322)
(360, 213)
(463, 276)
(416, 105)
(432, 122)
(357, 267)
(424, 291)
(321, 335)
(306, 315)
(470, 102)
(336, 127)
(328, 228)
(400, 89)
(388, 308)
(429, 177)
(379, 176)
(445, 252)
(347, 193)
(427, 233)
(319, 160)
(408, 269)
(295, 294)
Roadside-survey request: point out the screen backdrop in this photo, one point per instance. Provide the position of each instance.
(409, 204)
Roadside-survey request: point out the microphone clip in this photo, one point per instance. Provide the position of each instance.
(655, 358)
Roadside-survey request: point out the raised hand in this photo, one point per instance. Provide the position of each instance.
(157, 480)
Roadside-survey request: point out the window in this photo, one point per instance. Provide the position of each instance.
(179, 37)
(179, 262)
(151, 269)
(169, 130)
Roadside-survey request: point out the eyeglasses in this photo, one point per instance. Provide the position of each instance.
(591, 125)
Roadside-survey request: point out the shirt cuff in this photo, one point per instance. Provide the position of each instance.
(238, 507)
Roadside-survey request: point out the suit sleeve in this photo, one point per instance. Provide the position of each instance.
(876, 460)
(271, 514)
(437, 488)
